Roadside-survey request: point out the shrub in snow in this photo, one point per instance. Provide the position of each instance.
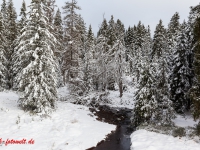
(198, 129)
(179, 132)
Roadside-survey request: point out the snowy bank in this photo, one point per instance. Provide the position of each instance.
(70, 127)
(145, 140)
(186, 121)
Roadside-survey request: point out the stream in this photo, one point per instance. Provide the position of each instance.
(120, 138)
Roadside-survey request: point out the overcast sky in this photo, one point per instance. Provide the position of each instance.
(130, 12)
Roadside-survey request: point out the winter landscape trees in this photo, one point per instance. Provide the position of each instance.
(45, 50)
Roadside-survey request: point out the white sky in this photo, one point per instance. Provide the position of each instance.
(130, 12)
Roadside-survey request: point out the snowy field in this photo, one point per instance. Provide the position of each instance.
(70, 127)
(145, 140)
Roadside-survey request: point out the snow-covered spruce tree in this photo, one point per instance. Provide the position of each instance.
(12, 32)
(129, 45)
(120, 30)
(102, 50)
(4, 9)
(111, 32)
(147, 46)
(58, 52)
(34, 63)
(102, 69)
(159, 41)
(138, 50)
(193, 59)
(21, 24)
(58, 32)
(89, 61)
(83, 36)
(103, 29)
(165, 111)
(3, 59)
(179, 80)
(140, 39)
(131, 49)
(71, 68)
(128, 41)
(22, 21)
(195, 90)
(49, 12)
(146, 102)
(172, 37)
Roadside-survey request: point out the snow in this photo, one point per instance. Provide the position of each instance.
(145, 140)
(63, 92)
(70, 127)
(127, 99)
(186, 121)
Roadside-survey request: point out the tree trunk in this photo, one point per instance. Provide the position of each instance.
(120, 88)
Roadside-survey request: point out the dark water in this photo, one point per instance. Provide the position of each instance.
(120, 138)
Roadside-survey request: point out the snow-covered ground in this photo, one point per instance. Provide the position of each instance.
(127, 99)
(70, 127)
(145, 140)
(186, 121)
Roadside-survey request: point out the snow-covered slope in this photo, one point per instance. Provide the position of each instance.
(145, 140)
(185, 121)
(70, 127)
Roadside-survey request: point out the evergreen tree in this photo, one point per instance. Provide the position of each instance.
(146, 102)
(34, 63)
(4, 10)
(103, 29)
(132, 49)
(172, 34)
(73, 42)
(140, 39)
(195, 90)
(165, 111)
(159, 40)
(102, 50)
(138, 49)
(119, 29)
(58, 29)
(181, 72)
(3, 60)
(49, 12)
(89, 60)
(128, 41)
(12, 32)
(111, 32)
(58, 52)
(147, 46)
(22, 22)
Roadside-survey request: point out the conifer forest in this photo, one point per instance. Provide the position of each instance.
(45, 48)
